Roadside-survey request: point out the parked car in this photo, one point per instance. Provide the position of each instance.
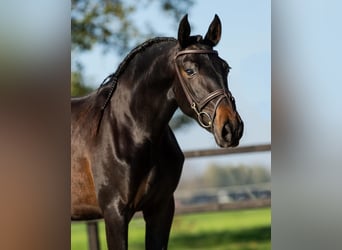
(239, 196)
(201, 199)
(262, 194)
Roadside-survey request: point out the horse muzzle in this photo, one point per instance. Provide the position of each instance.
(227, 127)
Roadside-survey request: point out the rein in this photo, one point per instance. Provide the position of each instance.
(199, 106)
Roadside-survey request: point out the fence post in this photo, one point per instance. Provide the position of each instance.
(93, 235)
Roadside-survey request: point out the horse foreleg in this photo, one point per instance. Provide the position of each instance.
(158, 224)
(116, 229)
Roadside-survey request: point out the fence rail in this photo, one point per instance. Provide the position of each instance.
(92, 226)
(227, 151)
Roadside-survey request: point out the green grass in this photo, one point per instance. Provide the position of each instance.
(233, 230)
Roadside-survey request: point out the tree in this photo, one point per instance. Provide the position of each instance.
(219, 176)
(216, 176)
(110, 24)
(78, 86)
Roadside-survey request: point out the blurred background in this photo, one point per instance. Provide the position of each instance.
(104, 32)
(306, 120)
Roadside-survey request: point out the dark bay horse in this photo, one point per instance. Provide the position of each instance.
(124, 156)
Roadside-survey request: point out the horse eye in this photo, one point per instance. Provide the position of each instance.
(190, 72)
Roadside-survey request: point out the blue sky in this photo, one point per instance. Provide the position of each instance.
(246, 45)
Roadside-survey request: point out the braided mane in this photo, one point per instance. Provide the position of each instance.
(113, 78)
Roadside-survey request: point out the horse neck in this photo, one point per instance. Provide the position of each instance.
(146, 90)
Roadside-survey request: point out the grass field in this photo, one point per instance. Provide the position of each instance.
(233, 230)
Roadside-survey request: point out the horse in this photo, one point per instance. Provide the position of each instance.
(124, 156)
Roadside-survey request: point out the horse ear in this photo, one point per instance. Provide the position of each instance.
(213, 35)
(184, 31)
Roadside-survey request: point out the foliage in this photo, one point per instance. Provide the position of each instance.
(78, 86)
(110, 24)
(222, 176)
(237, 230)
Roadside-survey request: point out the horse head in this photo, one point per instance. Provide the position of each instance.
(202, 87)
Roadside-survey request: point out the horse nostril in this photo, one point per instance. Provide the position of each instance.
(226, 132)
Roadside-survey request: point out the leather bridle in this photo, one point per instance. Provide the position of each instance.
(199, 106)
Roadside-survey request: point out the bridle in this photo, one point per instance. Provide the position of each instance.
(199, 106)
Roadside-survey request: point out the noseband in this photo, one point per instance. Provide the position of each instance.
(199, 106)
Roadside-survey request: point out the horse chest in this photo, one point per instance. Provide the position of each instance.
(160, 182)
